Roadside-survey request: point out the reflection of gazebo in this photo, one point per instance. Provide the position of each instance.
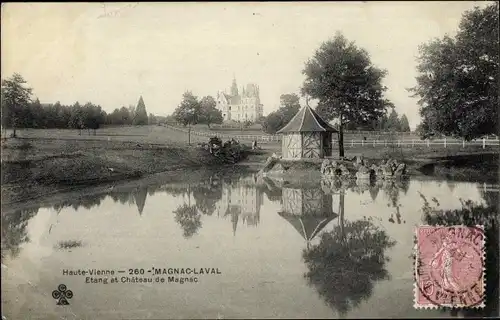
(307, 210)
(307, 136)
(272, 192)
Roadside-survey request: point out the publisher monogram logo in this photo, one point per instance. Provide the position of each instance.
(62, 295)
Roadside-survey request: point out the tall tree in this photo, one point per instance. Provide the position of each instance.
(290, 101)
(141, 115)
(16, 97)
(404, 125)
(346, 84)
(188, 111)
(209, 114)
(458, 78)
(392, 123)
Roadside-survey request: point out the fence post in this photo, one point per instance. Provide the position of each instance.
(445, 142)
(362, 142)
(428, 143)
(398, 143)
(374, 143)
(352, 143)
(412, 143)
(385, 143)
(484, 143)
(463, 143)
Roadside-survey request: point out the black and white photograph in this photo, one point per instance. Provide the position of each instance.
(250, 160)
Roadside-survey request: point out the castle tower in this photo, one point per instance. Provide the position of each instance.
(234, 88)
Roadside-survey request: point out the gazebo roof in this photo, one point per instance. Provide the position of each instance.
(307, 120)
(308, 227)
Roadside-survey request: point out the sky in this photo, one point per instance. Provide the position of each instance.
(110, 54)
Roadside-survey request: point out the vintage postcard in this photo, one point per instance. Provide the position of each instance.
(237, 160)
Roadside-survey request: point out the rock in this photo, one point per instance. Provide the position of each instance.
(344, 172)
(363, 169)
(400, 170)
(360, 160)
(325, 166)
(387, 171)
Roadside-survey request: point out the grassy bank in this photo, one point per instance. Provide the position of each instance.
(35, 167)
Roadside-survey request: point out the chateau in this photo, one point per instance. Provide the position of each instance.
(240, 106)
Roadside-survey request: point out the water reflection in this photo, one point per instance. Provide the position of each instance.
(345, 264)
(350, 240)
(307, 210)
(189, 219)
(14, 232)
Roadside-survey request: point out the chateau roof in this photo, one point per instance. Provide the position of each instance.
(307, 120)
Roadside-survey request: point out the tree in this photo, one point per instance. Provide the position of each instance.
(141, 115)
(93, 116)
(392, 123)
(209, 114)
(346, 84)
(288, 109)
(404, 125)
(457, 80)
(152, 119)
(290, 100)
(77, 117)
(188, 111)
(272, 123)
(16, 97)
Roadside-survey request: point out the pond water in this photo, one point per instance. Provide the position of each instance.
(271, 250)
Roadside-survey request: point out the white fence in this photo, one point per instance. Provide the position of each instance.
(446, 142)
(428, 143)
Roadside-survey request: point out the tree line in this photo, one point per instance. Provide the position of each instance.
(290, 105)
(193, 111)
(20, 110)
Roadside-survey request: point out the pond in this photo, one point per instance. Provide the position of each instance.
(254, 248)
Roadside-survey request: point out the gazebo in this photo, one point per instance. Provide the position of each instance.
(307, 135)
(307, 210)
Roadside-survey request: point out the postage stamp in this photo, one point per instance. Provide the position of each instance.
(449, 267)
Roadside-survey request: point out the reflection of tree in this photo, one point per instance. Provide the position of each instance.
(14, 232)
(392, 190)
(347, 261)
(206, 197)
(189, 219)
(87, 201)
(121, 197)
(472, 214)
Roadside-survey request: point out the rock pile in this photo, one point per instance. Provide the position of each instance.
(362, 170)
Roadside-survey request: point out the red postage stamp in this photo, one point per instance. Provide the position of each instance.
(449, 267)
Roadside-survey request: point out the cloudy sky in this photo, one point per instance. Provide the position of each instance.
(112, 53)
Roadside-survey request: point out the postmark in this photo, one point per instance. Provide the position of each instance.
(449, 267)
